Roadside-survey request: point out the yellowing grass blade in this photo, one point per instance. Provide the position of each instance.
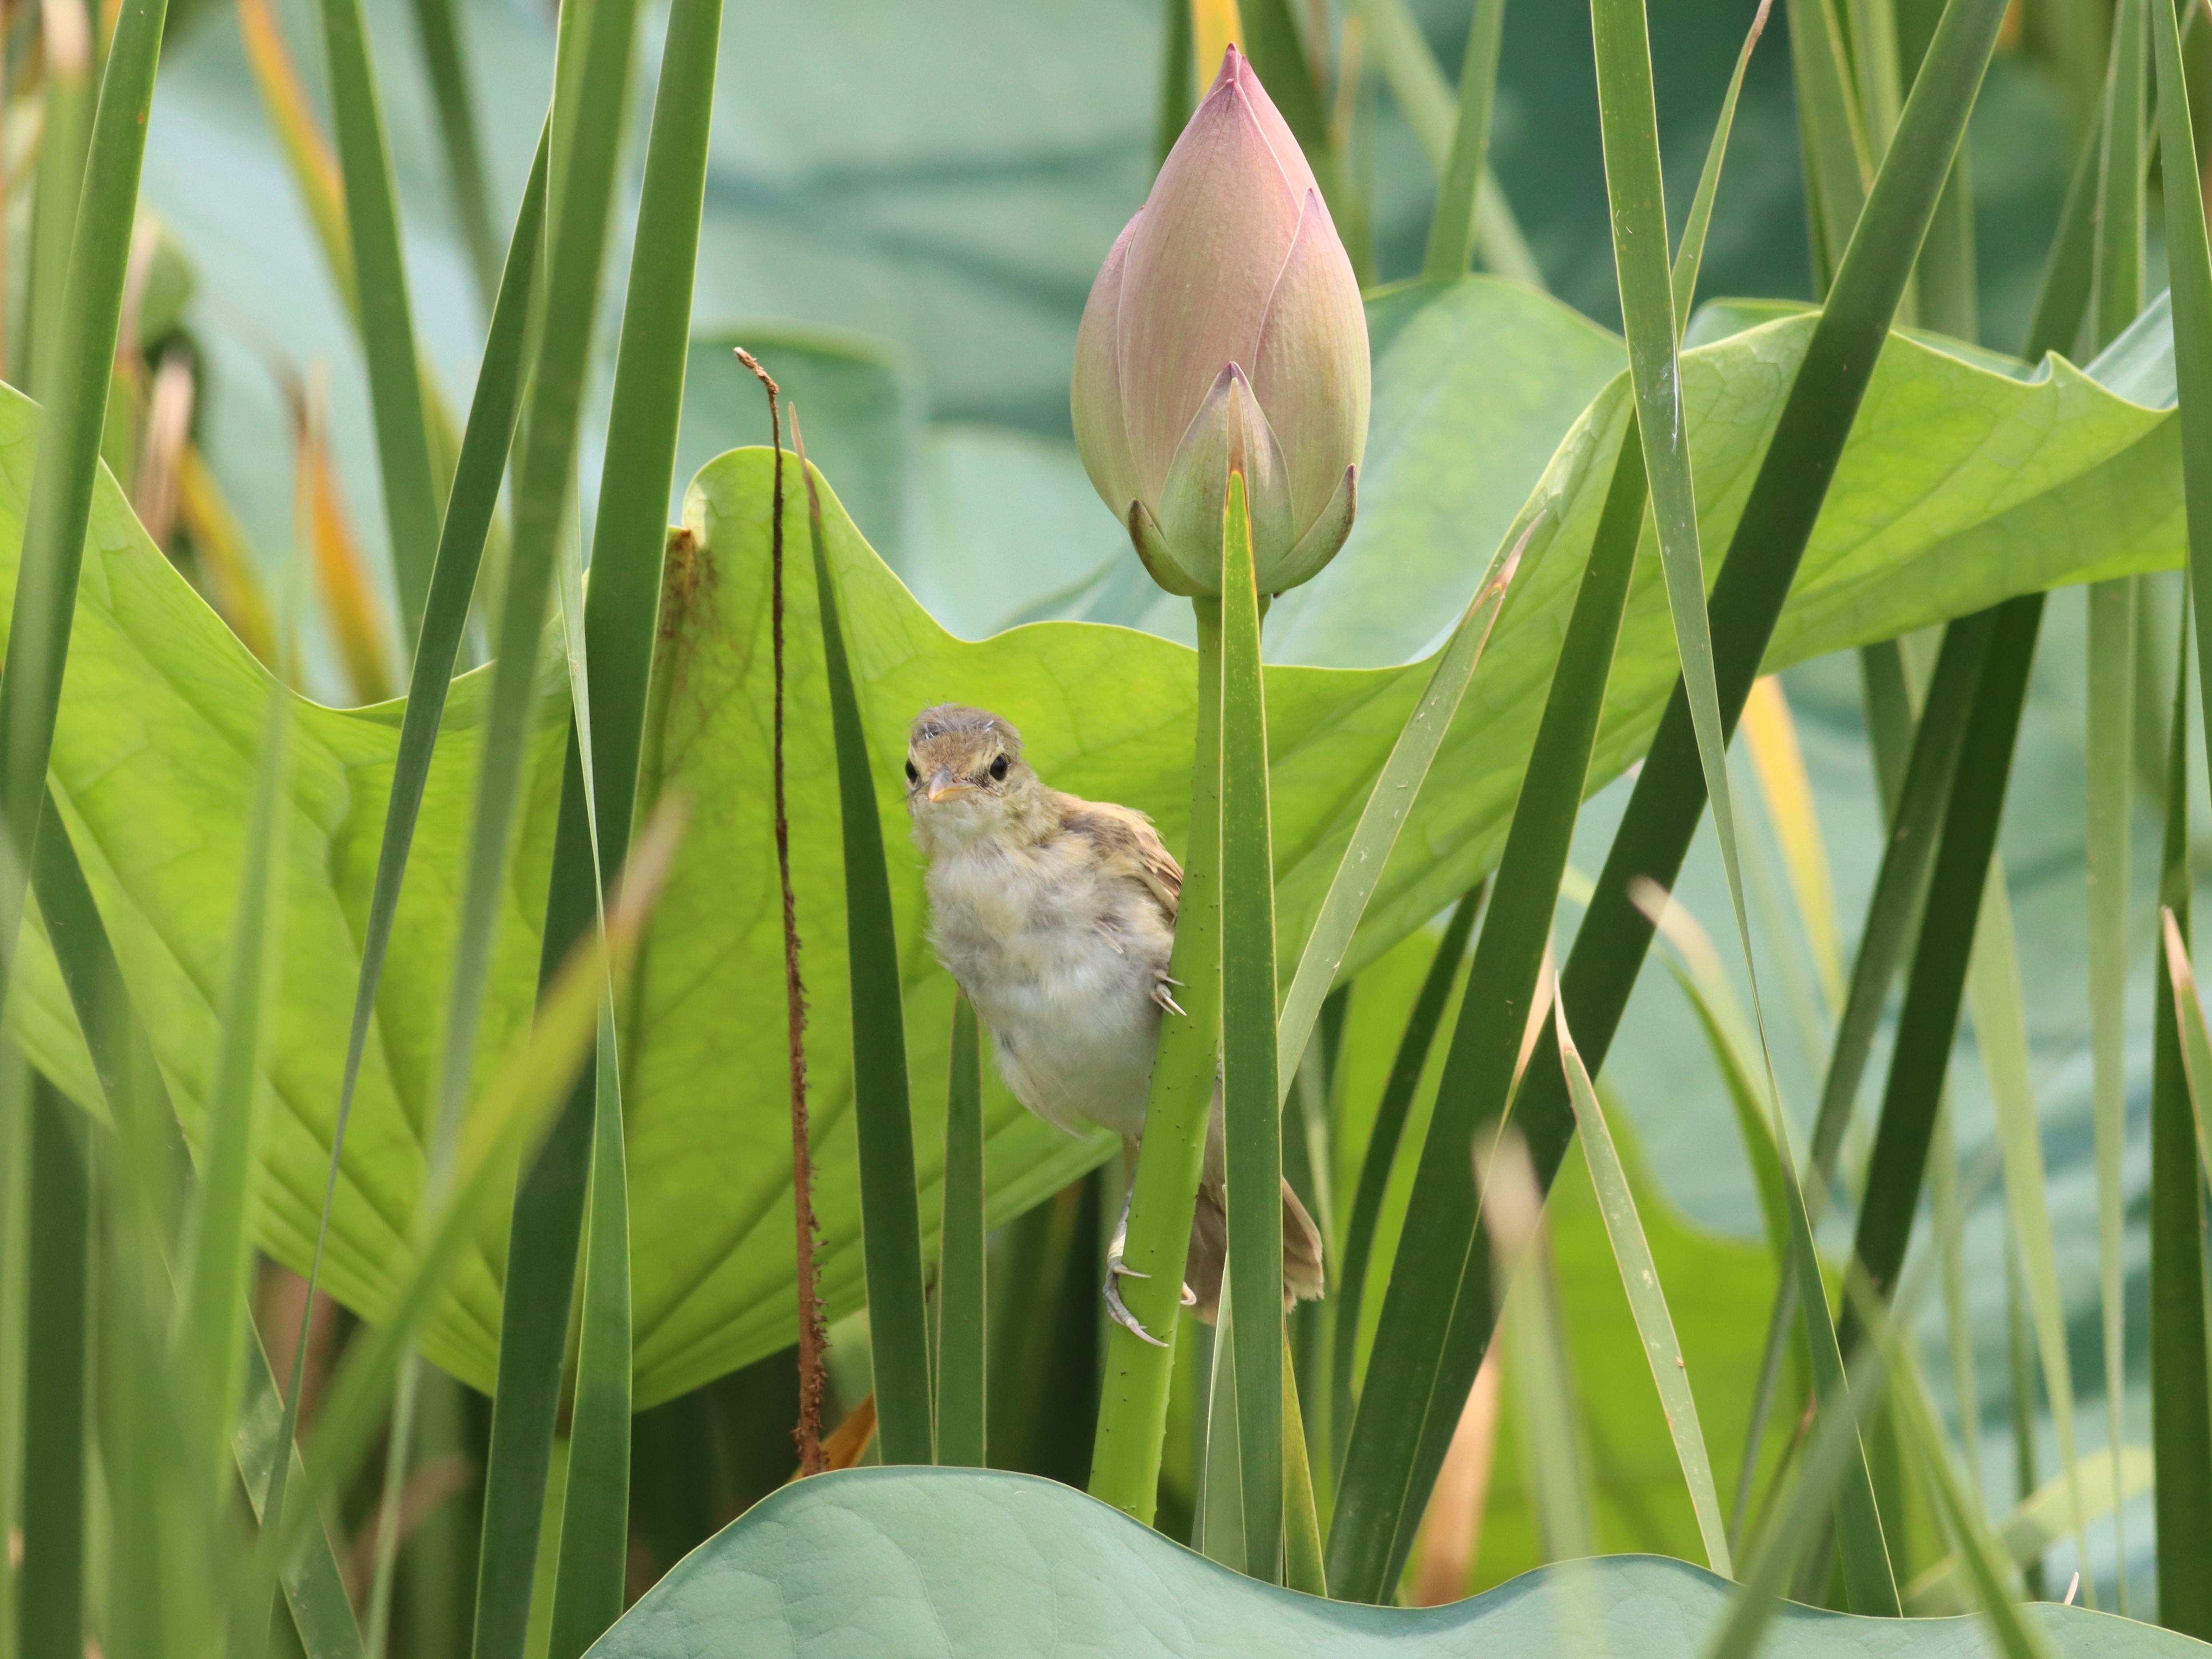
(1788, 793)
(2196, 1047)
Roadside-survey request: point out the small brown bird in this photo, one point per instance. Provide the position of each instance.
(1056, 915)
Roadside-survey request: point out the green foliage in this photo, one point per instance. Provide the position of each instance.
(997, 1564)
(1981, 484)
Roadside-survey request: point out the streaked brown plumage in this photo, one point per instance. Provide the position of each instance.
(1057, 916)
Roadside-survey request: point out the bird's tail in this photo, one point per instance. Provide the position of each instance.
(1209, 1249)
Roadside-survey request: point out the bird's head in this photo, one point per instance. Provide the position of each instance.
(965, 778)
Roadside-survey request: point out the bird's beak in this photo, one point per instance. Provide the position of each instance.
(943, 787)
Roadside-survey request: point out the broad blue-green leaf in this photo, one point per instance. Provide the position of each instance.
(982, 1564)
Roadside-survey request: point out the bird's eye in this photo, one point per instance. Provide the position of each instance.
(999, 769)
(912, 775)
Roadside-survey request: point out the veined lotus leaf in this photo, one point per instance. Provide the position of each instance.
(983, 1564)
(1974, 484)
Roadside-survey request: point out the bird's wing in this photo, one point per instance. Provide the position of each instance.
(1125, 842)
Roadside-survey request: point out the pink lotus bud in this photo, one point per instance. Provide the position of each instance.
(1226, 327)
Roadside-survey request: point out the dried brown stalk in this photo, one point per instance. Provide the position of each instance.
(813, 1338)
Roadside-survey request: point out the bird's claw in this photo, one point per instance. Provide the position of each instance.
(1119, 1309)
(1189, 1297)
(1165, 998)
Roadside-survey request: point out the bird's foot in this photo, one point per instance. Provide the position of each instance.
(1165, 998)
(1118, 1270)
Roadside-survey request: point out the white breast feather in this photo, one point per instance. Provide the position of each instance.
(1060, 959)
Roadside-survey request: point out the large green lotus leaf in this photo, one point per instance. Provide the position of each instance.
(919, 1561)
(1962, 486)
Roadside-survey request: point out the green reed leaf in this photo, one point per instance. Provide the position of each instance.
(2180, 1376)
(1829, 128)
(1251, 1099)
(1402, 53)
(891, 1223)
(1451, 231)
(1690, 254)
(1303, 1568)
(1647, 1299)
(594, 54)
(215, 1262)
(439, 31)
(1935, 986)
(1383, 1136)
(1997, 1002)
(50, 1579)
(962, 1326)
(615, 630)
(1397, 786)
(79, 359)
(387, 320)
(1412, 1403)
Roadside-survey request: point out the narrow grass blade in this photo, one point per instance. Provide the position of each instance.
(469, 513)
(1949, 1220)
(1931, 1457)
(1936, 986)
(1690, 254)
(138, 1106)
(2189, 260)
(1393, 37)
(962, 1325)
(1647, 1300)
(1888, 933)
(2110, 1480)
(2062, 298)
(1997, 1001)
(1705, 980)
(2180, 1378)
(1397, 786)
(1831, 1453)
(1451, 231)
(1221, 1487)
(1133, 1403)
(388, 321)
(49, 1580)
(2117, 282)
(215, 1259)
(314, 1588)
(1837, 165)
(65, 130)
(76, 399)
(615, 630)
(1395, 1465)
(1250, 1098)
(1634, 185)
(438, 29)
(2195, 1046)
(890, 1211)
(594, 54)
(1382, 1139)
(2020, 1355)
(1302, 1557)
(2108, 741)
(588, 1587)
(1411, 1402)
(1559, 1472)
(1178, 79)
